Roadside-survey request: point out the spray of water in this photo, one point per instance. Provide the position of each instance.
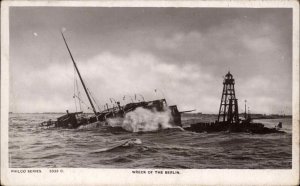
(115, 122)
(143, 120)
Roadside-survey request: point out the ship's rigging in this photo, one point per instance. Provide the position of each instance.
(74, 120)
(84, 87)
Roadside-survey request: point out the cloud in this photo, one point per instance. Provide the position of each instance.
(112, 76)
(182, 52)
(179, 40)
(236, 44)
(260, 45)
(191, 84)
(142, 73)
(264, 95)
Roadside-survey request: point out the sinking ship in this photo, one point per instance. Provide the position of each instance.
(77, 119)
(228, 117)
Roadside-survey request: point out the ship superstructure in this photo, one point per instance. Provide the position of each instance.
(76, 119)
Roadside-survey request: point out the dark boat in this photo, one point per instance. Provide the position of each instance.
(77, 119)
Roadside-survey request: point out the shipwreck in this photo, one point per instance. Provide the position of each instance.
(228, 117)
(77, 119)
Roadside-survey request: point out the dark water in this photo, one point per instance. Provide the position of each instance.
(31, 146)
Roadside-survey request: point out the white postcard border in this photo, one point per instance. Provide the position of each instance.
(79, 176)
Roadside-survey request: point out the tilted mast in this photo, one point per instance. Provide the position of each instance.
(85, 89)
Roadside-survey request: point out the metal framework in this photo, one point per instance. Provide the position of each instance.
(228, 112)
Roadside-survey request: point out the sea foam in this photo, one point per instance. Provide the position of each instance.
(143, 120)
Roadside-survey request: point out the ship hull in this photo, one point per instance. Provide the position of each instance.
(78, 119)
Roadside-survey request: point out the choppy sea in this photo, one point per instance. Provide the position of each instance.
(103, 147)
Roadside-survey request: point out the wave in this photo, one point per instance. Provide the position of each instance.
(143, 120)
(120, 144)
(90, 125)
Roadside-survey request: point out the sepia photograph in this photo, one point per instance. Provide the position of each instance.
(140, 88)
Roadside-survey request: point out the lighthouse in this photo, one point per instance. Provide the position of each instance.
(228, 112)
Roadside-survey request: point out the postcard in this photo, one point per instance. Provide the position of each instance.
(150, 93)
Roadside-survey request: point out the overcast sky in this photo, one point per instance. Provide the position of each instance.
(182, 52)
